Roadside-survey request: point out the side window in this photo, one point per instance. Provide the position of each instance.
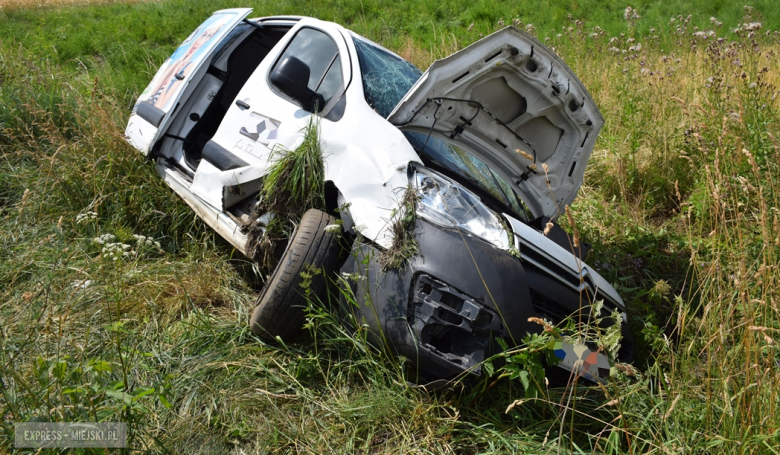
(319, 52)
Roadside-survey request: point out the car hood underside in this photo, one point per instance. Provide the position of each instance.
(517, 106)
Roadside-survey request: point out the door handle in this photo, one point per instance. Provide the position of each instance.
(242, 104)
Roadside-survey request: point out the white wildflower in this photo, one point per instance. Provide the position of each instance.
(82, 284)
(117, 250)
(597, 308)
(105, 238)
(86, 216)
(333, 228)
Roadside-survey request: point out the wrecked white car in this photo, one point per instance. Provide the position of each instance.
(492, 141)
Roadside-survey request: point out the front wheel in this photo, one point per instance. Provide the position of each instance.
(279, 308)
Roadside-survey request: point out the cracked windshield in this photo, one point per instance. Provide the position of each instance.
(386, 77)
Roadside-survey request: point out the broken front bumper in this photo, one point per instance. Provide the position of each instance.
(445, 310)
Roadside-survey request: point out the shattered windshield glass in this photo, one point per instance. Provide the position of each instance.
(453, 158)
(386, 77)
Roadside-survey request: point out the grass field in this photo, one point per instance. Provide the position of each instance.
(681, 203)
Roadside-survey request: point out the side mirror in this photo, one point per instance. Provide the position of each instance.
(291, 76)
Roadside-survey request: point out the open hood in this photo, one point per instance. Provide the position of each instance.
(504, 93)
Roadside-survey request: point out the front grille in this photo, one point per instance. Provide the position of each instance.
(547, 308)
(450, 324)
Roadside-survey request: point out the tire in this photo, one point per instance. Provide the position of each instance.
(279, 310)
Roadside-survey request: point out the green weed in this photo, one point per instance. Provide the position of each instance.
(402, 225)
(295, 183)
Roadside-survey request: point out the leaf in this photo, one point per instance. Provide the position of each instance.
(101, 365)
(120, 395)
(524, 379)
(143, 391)
(164, 401)
(488, 367)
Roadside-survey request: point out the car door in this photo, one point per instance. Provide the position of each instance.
(154, 107)
(263, 118)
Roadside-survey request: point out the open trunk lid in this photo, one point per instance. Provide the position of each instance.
(157, 102)
(516, 105)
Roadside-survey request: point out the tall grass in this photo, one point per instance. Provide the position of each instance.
(680, 203)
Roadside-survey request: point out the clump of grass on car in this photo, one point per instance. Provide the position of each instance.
(402, 222)
(294, 184)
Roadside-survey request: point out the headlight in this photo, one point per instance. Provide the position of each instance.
(448, 204)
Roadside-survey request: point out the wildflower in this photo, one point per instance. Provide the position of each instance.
(501, 23)
(104, 239)
(597, 306)
(614, 50)
(116, 251)
(333, 228)
(86, 216)
(662, 287)
(516, 22)
(545, 167)
(546, 324)
(82, 284)
(630, 14)
(548, 227)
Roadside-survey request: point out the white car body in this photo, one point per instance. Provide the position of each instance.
(473, 95)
